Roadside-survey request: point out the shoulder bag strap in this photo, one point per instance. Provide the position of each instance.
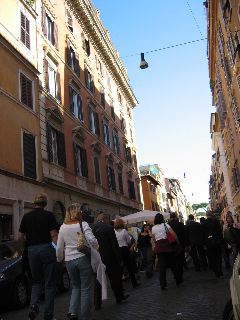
(81, 227)
(166, 229)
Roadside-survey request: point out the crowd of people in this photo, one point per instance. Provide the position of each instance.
(161, 246)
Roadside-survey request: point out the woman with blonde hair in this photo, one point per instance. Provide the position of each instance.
(77, 263)
(124, 240)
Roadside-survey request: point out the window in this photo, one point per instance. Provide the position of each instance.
(52, 79)
(25, 31)
(56, 146)
(80, 160)
(106, 133)
(116, 143)
(111, 177)
(120, 182)
(128, 154)
(102, 97)
(93, 120)
(49, 28)
(75, 103)
(112, 113)
(89, 81)
(131, 134)
(119, 98)
(86, 45)
(131, 190)
(99, 66)
(123, 125)
(97, 170)
(26, 88)
(108, 81)
(73, 60)
(29, 156)
(69, 20)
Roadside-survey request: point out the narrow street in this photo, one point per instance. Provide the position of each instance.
(201, 296)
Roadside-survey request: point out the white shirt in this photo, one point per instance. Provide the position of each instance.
(123, 237)
(159, 231)
(67, 241)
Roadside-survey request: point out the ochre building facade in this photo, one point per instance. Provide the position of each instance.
(66, 113)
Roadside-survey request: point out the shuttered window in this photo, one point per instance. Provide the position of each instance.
(128, 154)
(69, 20)
(93, 121)
(106, 133)
(112, 113)
(56, 146)
(120, 182)
(80, 161)
(25, 31)
(29, 156)
(50, 29)
(89, 81)
(116, 143)
(111, 178)
(26, 87)
(97, 170)
(73, 59)
(131, 190)
(75, 103)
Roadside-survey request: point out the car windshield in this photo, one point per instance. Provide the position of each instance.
(10, 250)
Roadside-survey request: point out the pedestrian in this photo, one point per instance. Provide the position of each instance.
(180, 230)
(231, 234)
(145, 246)
(111, 257)
(39, 228)
(195, 240)
(213, 240)
(77, 263)
(164, 250)
(124, 241)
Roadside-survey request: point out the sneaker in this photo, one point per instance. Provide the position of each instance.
(33, 312)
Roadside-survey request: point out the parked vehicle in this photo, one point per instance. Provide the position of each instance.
(15, 276)
(232, 307)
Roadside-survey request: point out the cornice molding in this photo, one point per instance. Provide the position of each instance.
(88, 18)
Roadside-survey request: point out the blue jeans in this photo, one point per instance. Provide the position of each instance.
(81, 275)
(42, 262)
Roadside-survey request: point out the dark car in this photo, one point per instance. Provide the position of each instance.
(15, 276)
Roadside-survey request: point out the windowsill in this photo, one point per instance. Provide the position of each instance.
(30, 8)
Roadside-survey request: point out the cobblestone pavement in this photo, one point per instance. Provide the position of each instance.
(200, 297)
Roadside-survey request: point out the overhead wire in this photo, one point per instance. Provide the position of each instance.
(165, 48)
(194, 18)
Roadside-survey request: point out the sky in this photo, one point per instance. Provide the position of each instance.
(172, 119)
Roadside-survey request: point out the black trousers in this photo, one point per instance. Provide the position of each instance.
(214, 255)
(129, 264)
(198, 255)
(180, 259)
(114, 273)
(167, 260)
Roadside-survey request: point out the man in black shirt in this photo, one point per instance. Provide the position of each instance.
(39, 229)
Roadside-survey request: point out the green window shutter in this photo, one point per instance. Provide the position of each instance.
(29, 155)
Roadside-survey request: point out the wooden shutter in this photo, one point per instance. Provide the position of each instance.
(25, 31)
(86, 77)
(96, 170)
(90, 118)
(29, 155)
(108, 176)
(131, 190)
(69, 20)
(61, 149)
(49, 143)
(58, 84)
(46, 78)
(83, 155)
(96, 123)
(44, 25)
(55, 35)
(88, 50)
(113, 181)
(92, 86)
(76, 168)
(26, 91)
(80, 111)
(76, 64)
(68, 54)
(120, 182)
(71, 99)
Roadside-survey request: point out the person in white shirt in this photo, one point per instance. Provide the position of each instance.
(77, 263)
(164, 250)
(124, 241)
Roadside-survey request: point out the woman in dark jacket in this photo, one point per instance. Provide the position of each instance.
(145, 246)
(231, 234)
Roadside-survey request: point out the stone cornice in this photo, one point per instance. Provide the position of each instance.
(90, 22)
